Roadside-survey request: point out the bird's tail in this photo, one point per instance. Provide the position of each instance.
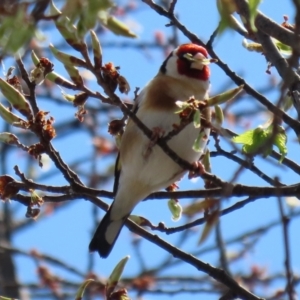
(106, 234)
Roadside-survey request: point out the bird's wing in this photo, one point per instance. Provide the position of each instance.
(117, 174)
(118, 165)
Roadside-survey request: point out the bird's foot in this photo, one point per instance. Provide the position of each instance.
(172, 187)
(157, 133)
(198, 169)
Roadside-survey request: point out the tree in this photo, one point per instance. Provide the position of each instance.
(246, 199)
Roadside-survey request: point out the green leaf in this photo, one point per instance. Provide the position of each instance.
(244, 138)
(61, 81)
(97, 50)
(253, 4)
(206, 161)
(20, 37)
(226, 8)
(69, 32)
(199, 207)
(219, 116)
(16, 99)
(86, 22)
(211, 221)
(80, 292)
(260, 137)
(9, 117)
(68, 97)
(34, 58)
(75, 75)
(224, 97)
(198, 144)
(67, 59)
(118, 270)
(252, 139)
(280, 142)
(16, 29)
(9, 138)
(115, 25)
(252, 46)
(197, 119)
(54, 11)
(175, 208)
(283, 48)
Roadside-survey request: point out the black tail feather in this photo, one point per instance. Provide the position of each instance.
(99, 241)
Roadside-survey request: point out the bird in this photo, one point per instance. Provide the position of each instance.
(144, 167)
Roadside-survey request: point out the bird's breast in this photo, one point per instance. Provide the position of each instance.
(142, 160)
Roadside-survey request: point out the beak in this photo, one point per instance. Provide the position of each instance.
(198, 61)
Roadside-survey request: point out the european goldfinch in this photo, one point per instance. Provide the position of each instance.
(144, 168)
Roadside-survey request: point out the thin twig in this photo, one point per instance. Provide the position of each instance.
(288, 269)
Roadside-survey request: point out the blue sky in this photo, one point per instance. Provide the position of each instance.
(66, 234)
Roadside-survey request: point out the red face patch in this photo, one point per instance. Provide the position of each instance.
(184, 66)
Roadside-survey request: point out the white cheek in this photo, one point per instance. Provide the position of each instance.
(171, 67)
(197, 65)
